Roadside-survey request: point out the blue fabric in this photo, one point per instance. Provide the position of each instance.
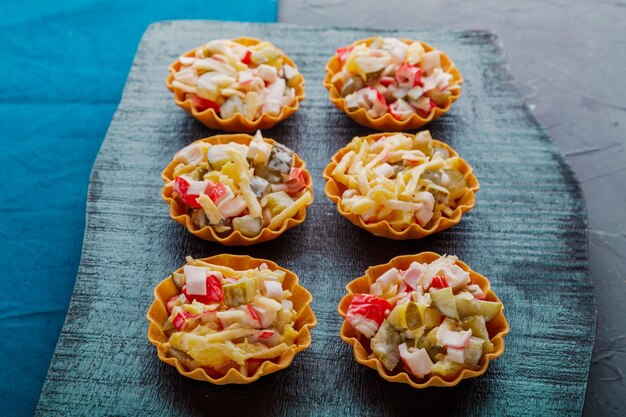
(63, 66)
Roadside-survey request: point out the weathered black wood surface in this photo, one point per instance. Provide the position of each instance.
(527, 234)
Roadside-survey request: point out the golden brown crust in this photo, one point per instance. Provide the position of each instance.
(334, 191)
(237, 122)
(497, 328)
(387, 122)
(178, 210)
(304, 321)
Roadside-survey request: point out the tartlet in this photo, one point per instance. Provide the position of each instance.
(238, 85)
(421, 202)
(392, 84)
(424, 363)
(214, 192)
(211, 342)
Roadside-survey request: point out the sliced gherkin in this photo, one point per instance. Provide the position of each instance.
(179, 279)
(441, 98)
(168, 326)
(443, 152)
(434, 176)
(283, 318)
(373, 76)
(439, 195)
(424, 142)
(239, 293)
(385, 344)
(247, 225)
(472, 307)
(429, 342)
(181, 356)
(430, 315)
(446, 368)
(196, 174)
(406, 316)
(281, 158)
(259, 186)
(477, 325)
(456, 184)
(473, 352)
(352, 85)
(443, 299)
(278, 201)
(268, 174)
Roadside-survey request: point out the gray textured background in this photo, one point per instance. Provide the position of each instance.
(568, 59)
(528, 228)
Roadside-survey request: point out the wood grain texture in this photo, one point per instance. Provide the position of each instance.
(527, 234)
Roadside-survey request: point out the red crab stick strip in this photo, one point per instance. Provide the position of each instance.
(296, 181)
(367, 312)
(180, 320)
(189, 190)
(220, 192)
(201, 285)
(343, 53)
(416, 360)
(409, 76)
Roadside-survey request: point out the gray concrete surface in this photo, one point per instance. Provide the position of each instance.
(568, 59)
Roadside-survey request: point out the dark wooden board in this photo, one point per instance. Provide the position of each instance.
(527, 234)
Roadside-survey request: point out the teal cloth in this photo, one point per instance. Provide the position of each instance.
(63, 66)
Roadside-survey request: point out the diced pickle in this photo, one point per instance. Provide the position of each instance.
(168, 327)
(446, 368)
(423, 142)
(179, 279)
(240, 292)
(429, 342)
(432, 317)
(352, 85)
(373, 76)
(439, 195)
(268, 174)
(443, 299)
(441, 98)
(471, 307)
(434, 176)
(457, 184)
(280, 158)
(405, 316)
(259, 186)
(443, 152)
(289, 334)
(283, 318)
(385, 345)
(196, 174)
(477, 325)
(293, 81)
(278, 201)
(247, 225)
(473, 352)
(181, 356)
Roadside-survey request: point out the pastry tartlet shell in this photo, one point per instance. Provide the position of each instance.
(237, 122)
(387, 122)
(178, 210)
(497, 328)
(334, 191)
(303, 323)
